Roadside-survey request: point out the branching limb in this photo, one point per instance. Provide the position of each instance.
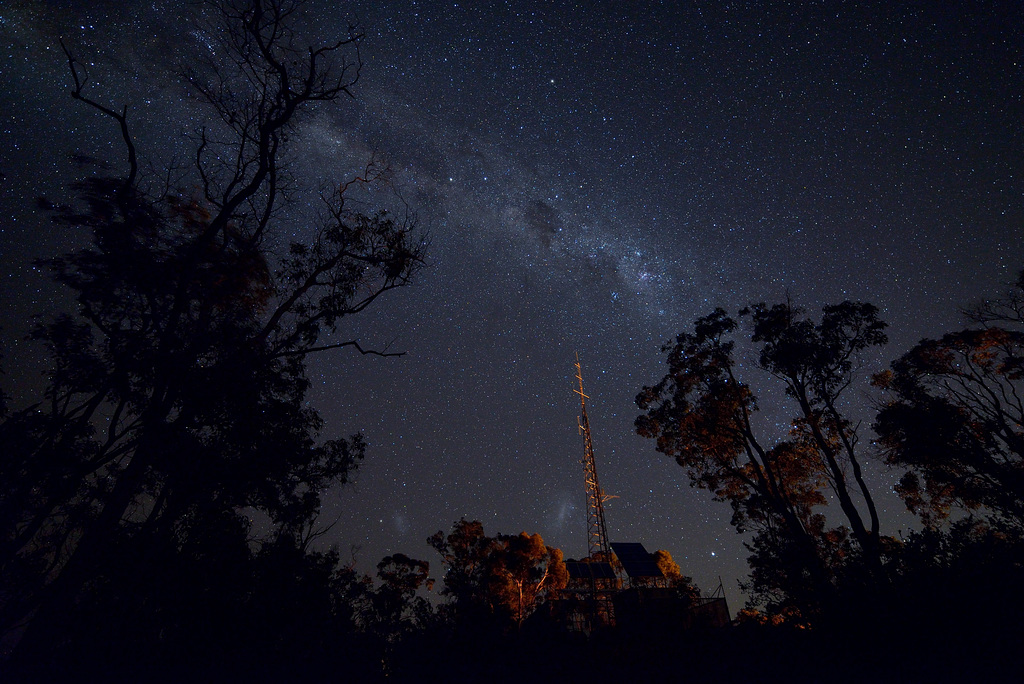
(121, 118)
(339, 345)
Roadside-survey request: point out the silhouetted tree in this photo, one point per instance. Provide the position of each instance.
(464, 554)
(176, 394)
(395, 607)
(817, 362)
(394, 613)
(955, 416)
(701, 414)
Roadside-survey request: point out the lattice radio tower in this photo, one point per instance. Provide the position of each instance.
(597, 532)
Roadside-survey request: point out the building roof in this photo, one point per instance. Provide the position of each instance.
(636, 560)
(590, 570)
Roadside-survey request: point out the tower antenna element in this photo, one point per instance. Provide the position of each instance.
(597, 531)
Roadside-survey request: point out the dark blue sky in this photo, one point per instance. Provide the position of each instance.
(593, 178)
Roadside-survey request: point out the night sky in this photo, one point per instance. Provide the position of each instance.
(592, 177)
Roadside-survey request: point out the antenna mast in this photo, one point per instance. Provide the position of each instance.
(597, 532)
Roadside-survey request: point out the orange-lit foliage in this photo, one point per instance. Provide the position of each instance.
(787, 617)
(506, 576)
(683, 585)
(956, 418)
(523, 571)
(702, 415)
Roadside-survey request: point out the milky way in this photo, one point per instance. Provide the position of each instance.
(592, 179)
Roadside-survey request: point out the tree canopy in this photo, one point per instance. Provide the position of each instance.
(505, 577)
(955, 416)
(176, 400)
(702, 414)
(160, 501)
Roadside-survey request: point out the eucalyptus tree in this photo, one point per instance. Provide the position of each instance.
(955, 416)
(702, 414)
(177, 389)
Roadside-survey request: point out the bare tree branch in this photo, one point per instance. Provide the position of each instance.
(339, 345)
(121, 118)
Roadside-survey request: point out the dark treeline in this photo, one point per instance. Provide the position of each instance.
(938, 603)
(174, 415)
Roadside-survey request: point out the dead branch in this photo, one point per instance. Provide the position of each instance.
(122, 118)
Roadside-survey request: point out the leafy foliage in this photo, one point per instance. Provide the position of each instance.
(683, 585)
(955, 418)
(501, 578)
(177, 391)
(395, 609)
(701, 414)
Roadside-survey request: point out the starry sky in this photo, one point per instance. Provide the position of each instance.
(592, 177)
